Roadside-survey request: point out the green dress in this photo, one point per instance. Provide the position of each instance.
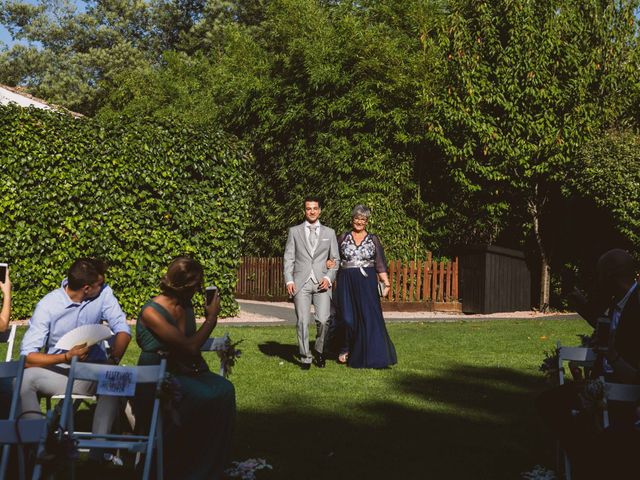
(200, 446)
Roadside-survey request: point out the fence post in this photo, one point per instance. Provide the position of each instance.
(426, 283)
(454, 289)
(447, 292)
(398, 274)
(418, 280)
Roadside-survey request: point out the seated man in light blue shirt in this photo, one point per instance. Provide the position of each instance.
(82, 299)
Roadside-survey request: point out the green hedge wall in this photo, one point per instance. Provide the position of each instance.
(130, 191)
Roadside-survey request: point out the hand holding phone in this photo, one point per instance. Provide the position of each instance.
(212, 302)
(5, 283)
(210, 292)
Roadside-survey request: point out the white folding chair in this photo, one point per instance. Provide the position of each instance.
(15, 431)
(583, 357)
(146, 444)
(217, 344)
(9, 337)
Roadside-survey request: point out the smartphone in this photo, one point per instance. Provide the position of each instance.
(209, 293)
(3, 272)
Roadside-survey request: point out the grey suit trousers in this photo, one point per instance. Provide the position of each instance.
(321, 301)
(45, 382)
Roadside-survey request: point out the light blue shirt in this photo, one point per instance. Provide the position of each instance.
(56, 314)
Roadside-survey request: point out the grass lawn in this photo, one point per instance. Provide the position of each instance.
(459, 404)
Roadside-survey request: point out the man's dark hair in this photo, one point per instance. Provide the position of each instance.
(312, 198)
(85, 271)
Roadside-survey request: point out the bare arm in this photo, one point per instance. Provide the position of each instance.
(37, 359)
(174, 337)
(5, 313)
(120, 344)
(384, 278)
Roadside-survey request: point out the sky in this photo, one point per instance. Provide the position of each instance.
(5, 38)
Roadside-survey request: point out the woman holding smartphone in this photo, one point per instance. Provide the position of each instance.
(198, 441)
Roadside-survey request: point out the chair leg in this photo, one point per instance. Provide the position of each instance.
(22, 464)
(159, 452)
(5, 461)
(567, 467)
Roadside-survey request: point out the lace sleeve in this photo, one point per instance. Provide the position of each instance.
(341, 238)
(381, 261)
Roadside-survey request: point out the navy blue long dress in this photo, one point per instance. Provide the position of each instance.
(366, 339)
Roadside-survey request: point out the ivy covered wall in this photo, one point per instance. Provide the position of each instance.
(131, 191)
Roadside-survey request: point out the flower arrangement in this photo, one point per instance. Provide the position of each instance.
(247, 470)
(592, 396)
(228, 355)
(549, 366)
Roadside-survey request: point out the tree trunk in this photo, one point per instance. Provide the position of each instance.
(545, 268)
(545, 282)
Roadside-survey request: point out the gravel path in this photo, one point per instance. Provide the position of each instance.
(280, 313)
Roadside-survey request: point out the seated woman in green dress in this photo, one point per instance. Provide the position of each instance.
(197, 441)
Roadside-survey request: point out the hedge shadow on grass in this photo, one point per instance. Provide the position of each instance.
(466, 423)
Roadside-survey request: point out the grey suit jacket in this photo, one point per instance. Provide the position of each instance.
(298, 261)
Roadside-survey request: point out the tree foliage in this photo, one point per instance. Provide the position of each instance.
(526, 83)
(608, 175)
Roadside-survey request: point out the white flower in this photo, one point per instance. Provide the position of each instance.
(247, 470)
(539, 473)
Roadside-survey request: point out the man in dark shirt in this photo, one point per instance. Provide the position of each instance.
(594, 453)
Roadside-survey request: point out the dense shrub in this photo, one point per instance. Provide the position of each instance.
(132, 192)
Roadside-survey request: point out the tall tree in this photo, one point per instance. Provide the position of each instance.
(70, 53)
(527, 82)
(327, 93)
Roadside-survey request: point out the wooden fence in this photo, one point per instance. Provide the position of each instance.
(415, 285)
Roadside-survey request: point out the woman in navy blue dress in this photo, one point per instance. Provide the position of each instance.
(362, 263)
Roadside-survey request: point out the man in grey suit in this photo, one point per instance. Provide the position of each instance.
(309, 246)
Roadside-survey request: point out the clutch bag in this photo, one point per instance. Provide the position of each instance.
(380, 288)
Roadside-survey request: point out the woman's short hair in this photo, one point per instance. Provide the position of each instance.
(360, 211)
(183, 278)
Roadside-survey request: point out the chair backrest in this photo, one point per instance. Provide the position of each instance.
(14, 369)
(583, 356)
(9, 337)
(92, 372)
(618, 392)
